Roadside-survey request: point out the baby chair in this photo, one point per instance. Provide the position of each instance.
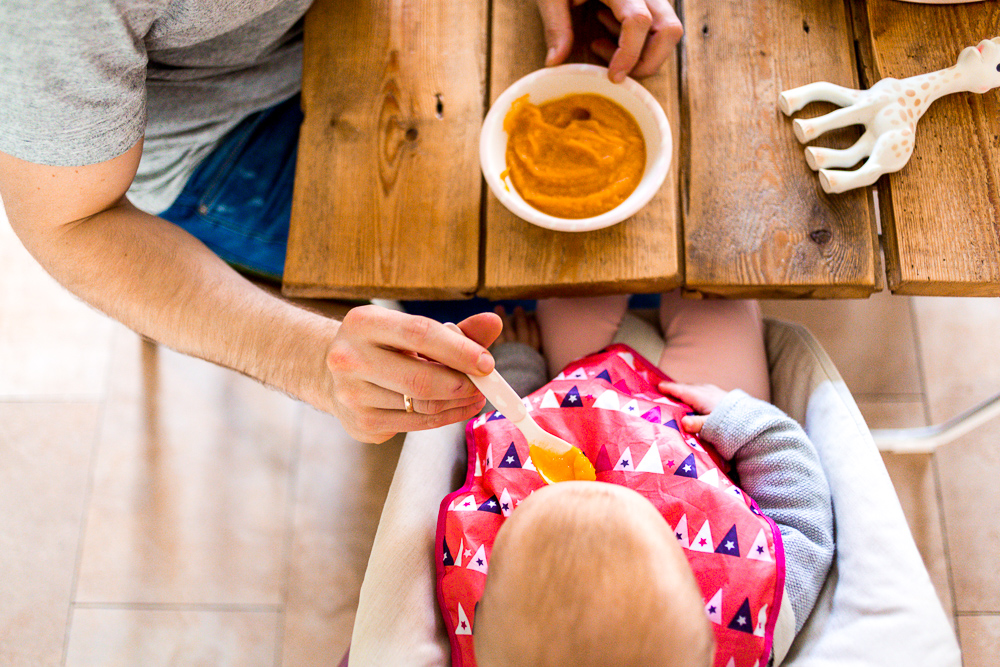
(878, 606)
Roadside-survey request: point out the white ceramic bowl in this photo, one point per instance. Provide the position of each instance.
(554, 82)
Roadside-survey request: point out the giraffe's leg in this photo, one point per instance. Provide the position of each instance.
(828, 158)
(839, 180)
(807, 129)
(888, 155)
(792, 100)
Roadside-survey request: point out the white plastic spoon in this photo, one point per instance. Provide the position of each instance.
(555, 459)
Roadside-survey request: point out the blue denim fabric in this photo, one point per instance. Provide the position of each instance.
(456, 311)
(239, 200)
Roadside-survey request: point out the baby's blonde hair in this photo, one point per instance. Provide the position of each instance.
(589, 574)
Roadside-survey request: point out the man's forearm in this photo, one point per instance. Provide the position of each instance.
(165, 284)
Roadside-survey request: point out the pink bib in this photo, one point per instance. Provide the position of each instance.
(608, 405)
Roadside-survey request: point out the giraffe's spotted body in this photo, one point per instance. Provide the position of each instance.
(889, 110)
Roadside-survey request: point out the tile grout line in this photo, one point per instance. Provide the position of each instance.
(918, 348)
(939, 498)
(87, 496)
(57, 399)
(182, 606)
(289, 541)
(938, 495)
(891, 397)
(968, 614)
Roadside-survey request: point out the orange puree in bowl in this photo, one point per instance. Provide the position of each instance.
(574, 157)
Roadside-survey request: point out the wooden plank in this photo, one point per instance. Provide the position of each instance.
(756, 221)
(387, 187)
(638, 255)
(941, 212)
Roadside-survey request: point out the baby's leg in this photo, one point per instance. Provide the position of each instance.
(574, 328)
(714, 341)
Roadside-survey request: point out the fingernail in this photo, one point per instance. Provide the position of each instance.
(618, 77)
(485, 363)
(549, 55)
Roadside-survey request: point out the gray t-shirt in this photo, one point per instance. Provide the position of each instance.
(81, 81)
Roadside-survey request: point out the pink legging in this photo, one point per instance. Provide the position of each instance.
(713, 341)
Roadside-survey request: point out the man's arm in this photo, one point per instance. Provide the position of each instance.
(162, 282)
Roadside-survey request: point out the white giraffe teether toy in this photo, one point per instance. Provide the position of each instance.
(889, 110)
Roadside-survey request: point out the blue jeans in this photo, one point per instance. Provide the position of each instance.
(239, 200)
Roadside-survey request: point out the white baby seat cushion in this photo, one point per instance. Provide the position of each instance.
(878, 606)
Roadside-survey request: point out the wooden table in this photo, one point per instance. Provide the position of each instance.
(389, 200)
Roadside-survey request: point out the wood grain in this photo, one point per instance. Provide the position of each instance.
(387, 186)
(756, 222)
(520, 259)
(941, 212)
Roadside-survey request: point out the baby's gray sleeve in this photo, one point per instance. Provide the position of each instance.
(779, 468)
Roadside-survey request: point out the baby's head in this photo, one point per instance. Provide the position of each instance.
(587, 573)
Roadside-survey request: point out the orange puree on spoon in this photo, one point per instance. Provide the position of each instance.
(560, 466)
(574, 157)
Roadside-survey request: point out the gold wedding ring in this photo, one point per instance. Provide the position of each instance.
(407, 403)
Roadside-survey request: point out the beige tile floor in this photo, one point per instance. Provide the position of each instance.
(158, 510)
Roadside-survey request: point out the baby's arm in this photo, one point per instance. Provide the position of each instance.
(780, 469)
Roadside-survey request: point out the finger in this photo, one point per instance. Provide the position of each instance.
(535, 334)
(671, 388)
(506, 333)
(635, 19)
(702, 397)
(369, 396)
(608, 20)
(397, 421)
(437, 407)
(558, 30)
(664, 34)
(657, 50)
(399, 331)
(521, 326)
(604, 48)
(482, 328)
(693, 423)
(685, 393)
(421, 379)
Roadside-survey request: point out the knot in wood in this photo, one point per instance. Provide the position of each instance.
(821, 236)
